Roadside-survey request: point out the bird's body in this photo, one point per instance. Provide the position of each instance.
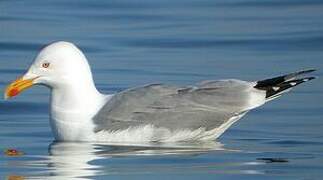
(158, 112)
(155, 112)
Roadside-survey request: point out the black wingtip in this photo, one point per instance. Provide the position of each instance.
(282, 87)
(281, 79)
(298, 73)
(307, 71)
(310, 70)
(309, 78)
(276, 86)
(299, 81)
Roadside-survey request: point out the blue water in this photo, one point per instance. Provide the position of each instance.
(130, 43)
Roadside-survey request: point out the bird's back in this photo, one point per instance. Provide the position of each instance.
(207, 105)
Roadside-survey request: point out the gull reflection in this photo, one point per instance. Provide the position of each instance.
(69, 160)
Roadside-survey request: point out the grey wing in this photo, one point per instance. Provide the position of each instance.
(208, 104)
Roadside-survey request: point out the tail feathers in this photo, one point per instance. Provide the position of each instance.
(275, 87)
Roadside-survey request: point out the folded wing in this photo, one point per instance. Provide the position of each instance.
(208, 104)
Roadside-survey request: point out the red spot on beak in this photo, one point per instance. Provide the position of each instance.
(13, 92)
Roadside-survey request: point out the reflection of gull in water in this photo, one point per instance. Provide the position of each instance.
(69, 160)
(73, 160)
(151, 113)
(107, 150)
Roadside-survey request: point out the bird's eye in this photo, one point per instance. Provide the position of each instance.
(45, 65)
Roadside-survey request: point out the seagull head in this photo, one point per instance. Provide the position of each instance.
(58, 65)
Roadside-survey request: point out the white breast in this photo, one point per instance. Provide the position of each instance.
(71, 126)
(72, 121)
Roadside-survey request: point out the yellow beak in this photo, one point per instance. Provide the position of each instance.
(17, 87)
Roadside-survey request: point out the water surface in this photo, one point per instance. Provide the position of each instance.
(130, 43)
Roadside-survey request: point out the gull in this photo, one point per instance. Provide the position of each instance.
(149, 113)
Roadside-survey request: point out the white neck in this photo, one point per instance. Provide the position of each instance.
(72, 107)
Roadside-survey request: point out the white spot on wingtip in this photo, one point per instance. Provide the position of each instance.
(292, 83)
(276, 88)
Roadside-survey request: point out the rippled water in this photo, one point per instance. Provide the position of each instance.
(132, 43)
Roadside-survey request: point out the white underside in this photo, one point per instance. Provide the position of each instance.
(147, 133)
(150, 133)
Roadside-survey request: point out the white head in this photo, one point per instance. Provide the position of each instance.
(58, 65)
